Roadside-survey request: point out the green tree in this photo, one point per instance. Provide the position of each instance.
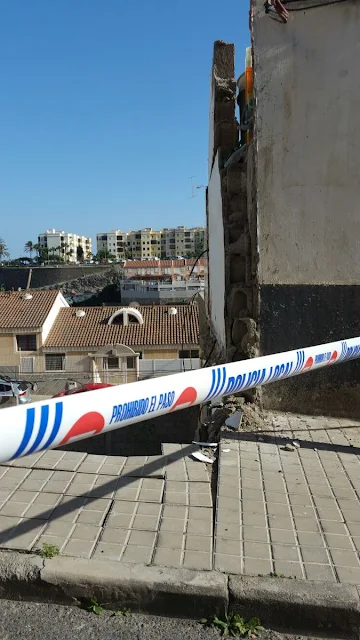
(79, 253)
(199, 248)
(52, 251)
(103, 254)
(127, 254)
(4, 251)
(43, 254)
(37, 249)
(29, 248)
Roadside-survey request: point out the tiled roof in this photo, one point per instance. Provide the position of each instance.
(18, 313)
(92, 330)
(147, 264)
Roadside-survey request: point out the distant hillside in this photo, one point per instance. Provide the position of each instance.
(57, 277)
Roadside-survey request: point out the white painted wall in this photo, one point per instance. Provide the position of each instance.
(307, 82)
(216, 254)
(58, 304)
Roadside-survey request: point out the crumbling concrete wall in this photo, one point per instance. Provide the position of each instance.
(230, 219)
(307, 138)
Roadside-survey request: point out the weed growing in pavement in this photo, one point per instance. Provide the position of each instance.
(93, 606)
(232, 624)
(122, 613)
(49, 550)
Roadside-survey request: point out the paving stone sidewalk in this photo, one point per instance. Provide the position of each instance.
(147, 509)
(293, 513)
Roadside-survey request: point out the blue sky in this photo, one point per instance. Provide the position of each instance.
(104, 112)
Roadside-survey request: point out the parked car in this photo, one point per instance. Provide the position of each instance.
(90, 386)
(20, 389)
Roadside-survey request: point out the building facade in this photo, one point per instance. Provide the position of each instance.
(45, 340)
(182, 241)
(282, 201)
(161, 270)
(145, 243)
(64, 245)
(112, 243)
(148, 243)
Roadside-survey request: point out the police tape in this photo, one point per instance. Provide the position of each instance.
(29, 429)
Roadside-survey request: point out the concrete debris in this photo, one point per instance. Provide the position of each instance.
(234, 421)
(252, 419)
(289, 447)
(296, 444)
(202, 458)
(212, 445)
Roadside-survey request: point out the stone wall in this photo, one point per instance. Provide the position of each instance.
(12, 277)
(231, 220)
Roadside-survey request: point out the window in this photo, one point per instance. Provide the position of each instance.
(55, 361)
(113, 363)
(185, 353)
(26, 342)
(130, 363)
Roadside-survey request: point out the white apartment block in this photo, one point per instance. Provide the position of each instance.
(65, 244)
(149, 244)
(113, 243)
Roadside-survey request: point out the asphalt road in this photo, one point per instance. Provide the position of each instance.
(24, 620)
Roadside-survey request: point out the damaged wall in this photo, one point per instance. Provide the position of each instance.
(307, 135)
(232, 275)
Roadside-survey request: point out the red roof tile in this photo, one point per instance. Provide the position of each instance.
(18, 313)
(92, 330)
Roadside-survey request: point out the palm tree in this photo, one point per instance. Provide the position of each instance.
(79, 253)
(53, 250)
(29, 247)
(64, 247)
(4, 252)
(37, 249)
(44, 254)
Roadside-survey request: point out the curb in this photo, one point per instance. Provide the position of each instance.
(300, 605)
(156, 590)
(292, 605)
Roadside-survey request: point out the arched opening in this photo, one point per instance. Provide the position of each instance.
(126, 316)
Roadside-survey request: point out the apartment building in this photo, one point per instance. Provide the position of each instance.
(159, 270)
(182, 241)
(149, 244)
(65, 244)
(112, 243)
(145, 243)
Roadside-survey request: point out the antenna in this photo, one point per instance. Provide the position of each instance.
(194, 187)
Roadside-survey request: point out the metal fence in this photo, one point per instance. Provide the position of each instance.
(48, 383)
